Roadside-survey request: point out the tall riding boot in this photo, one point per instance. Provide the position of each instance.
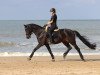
(50, 36)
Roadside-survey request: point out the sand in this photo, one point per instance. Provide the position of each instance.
(44, 66)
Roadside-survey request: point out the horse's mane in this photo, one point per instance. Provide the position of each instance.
(37, 26)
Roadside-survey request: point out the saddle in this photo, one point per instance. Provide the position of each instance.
(56, 30)
(55, 36)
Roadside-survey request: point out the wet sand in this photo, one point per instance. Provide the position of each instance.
(44, 66)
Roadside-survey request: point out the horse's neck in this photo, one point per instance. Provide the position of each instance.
(38, 32)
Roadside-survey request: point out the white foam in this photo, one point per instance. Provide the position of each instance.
(6, 54)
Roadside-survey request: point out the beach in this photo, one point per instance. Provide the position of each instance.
(22, 34)
(42, 65)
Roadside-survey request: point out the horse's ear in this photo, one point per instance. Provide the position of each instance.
(25, 26)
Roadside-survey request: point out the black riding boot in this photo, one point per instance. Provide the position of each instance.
(50, 36)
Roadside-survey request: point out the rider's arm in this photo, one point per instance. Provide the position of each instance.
(50, 22)
(52, 19)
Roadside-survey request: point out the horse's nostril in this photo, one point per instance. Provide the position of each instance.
(27, 37)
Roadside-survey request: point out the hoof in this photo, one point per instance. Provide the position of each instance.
(64, 56)
(84, 60)
(53, 60)
(29, 59)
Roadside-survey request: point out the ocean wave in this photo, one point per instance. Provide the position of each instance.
(6, 44)
(24, 44)
(7, 54)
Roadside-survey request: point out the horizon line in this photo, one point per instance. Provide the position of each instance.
(47, 19)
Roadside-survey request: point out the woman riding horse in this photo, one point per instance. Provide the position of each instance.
(52, 24)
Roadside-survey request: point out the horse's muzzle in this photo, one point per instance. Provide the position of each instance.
(28, 37)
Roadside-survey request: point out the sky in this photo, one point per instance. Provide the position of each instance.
(39, 9)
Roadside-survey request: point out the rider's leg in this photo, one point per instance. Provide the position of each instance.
(50, 34)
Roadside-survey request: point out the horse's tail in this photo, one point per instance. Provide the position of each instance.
(85, 41)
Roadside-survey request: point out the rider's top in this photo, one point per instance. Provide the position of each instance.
(54, 19)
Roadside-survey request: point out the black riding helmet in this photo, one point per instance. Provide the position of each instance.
(53, 10)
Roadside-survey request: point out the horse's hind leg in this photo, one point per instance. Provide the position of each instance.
(78, 50)
(69, 48)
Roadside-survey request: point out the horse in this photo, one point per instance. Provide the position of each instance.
(65, 36)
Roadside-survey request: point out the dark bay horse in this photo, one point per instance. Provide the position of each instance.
(65, 36)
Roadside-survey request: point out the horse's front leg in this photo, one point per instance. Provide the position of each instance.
(49, 49)
(36, 48)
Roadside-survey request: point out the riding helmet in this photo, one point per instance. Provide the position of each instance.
(53, 10)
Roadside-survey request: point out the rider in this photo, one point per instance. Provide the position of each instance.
(52, 24)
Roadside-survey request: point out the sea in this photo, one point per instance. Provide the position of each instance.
(13, 40)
